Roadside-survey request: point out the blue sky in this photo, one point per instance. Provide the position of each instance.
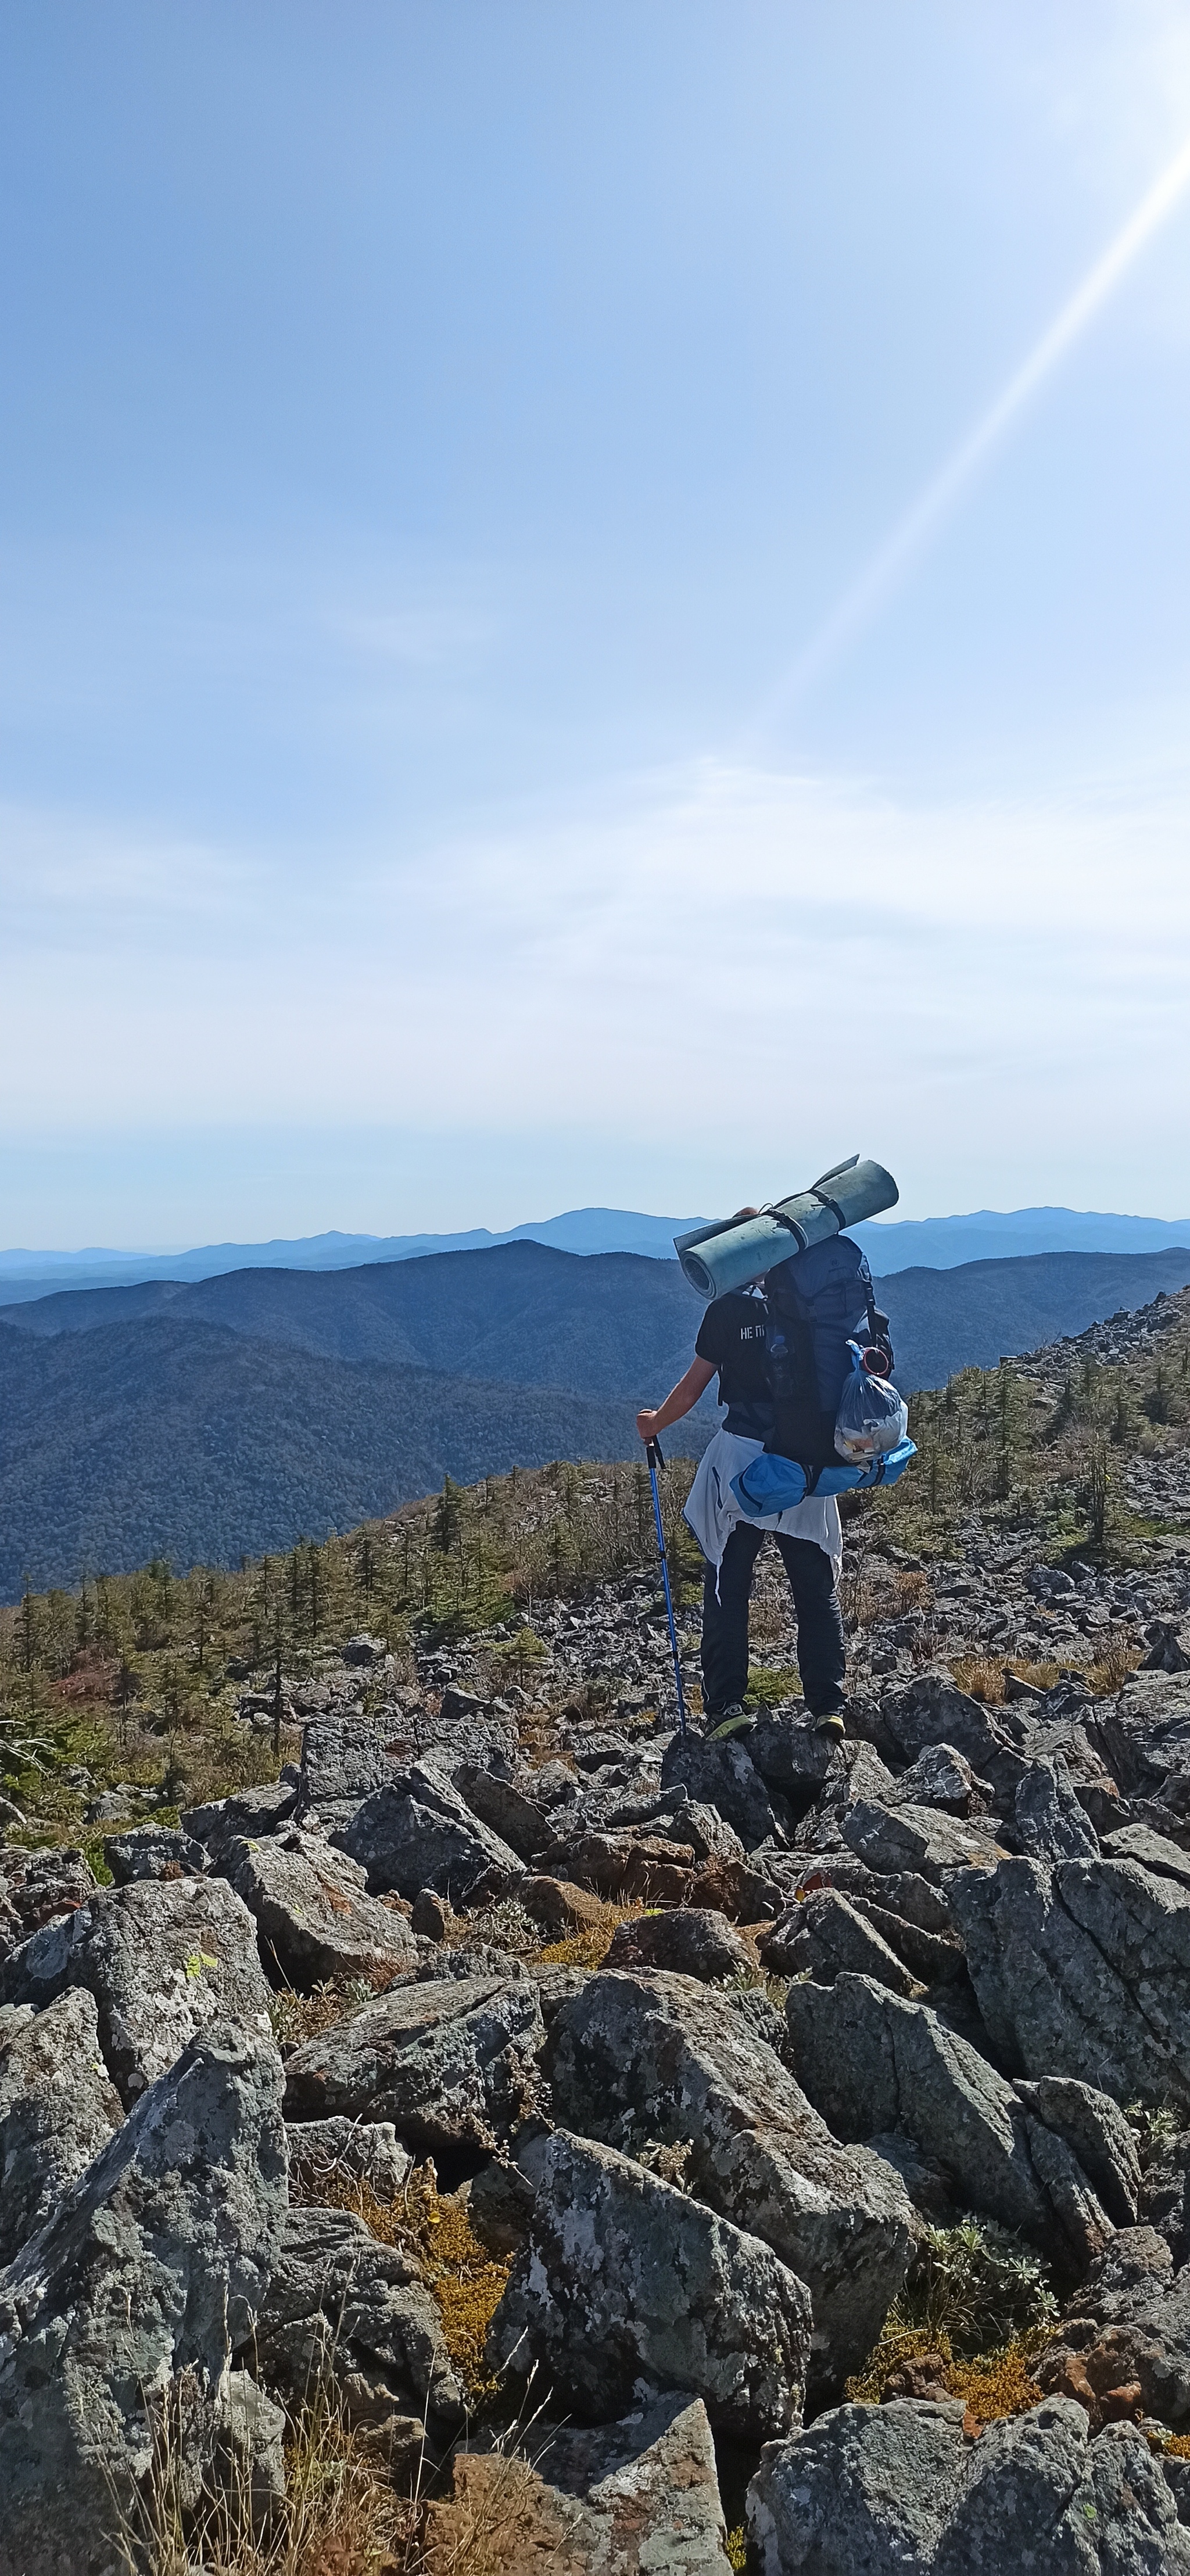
(432, 441)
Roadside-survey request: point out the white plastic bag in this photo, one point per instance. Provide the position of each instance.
(872, 1417)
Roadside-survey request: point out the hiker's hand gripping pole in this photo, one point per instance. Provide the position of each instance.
(653, 1453)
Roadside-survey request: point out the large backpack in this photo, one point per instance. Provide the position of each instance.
(817, 1303)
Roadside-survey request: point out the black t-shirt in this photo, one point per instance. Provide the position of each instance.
(733, 1335)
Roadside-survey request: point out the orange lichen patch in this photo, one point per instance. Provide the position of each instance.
(461, 2274)
(992, 2385)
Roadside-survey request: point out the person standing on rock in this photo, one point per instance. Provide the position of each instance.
(733, 1344)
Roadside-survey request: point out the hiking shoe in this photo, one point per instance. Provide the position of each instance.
(731, 1721)
(834, 1726)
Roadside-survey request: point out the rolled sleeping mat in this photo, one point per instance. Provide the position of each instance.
(769, 1484)
(739, 1251)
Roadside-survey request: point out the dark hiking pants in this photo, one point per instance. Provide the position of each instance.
(820, 1651)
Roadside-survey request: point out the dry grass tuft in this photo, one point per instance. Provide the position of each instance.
(589, 1949)
(464, 2279)
(297, 2018)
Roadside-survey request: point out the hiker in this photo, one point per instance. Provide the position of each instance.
(733, 1344)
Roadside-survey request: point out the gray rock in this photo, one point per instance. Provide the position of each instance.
(450, 2063)
(722, 1776)
(1154, 1852)
(1051, 1823)
(933, 1710)
(506, 1807)
(827, 1934)
(1097, 2132)
(314, 1918)
(628, 2286)
(870, 2061)
(36, 1887)
(154, 1851)
(896, 2490)
(615, 2500)
(940, 1777)
(1070, 2504)
(1163, 2202)
(918, 1839)
(418, 1832)
(1083, 1970)
(162, 1959)
(347, 1757)
(326, 2154)
(692, 1941)
(1146, 1736)
(343, 2309)
(251, 1812)
(640, 2060)
(864, 2488)
(789, 1753)
(58, 2108)
(158, 2257)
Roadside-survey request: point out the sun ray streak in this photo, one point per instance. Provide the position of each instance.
(867, 594)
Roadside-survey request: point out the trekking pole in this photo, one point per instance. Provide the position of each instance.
(655, 1461)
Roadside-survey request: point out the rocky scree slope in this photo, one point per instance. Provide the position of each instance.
(718, 2054)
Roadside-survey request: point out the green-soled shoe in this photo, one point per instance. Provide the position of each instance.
(734, 1721)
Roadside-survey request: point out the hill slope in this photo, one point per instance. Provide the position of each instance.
(945, 1320)
(189, 1442)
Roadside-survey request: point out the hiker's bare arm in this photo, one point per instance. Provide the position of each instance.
(679, 1401)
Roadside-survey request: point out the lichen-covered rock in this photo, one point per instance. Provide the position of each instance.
(627, 2285)
(37, 1887)
(933, 1710)
(251, 1812)
(826, 1935)
(721, 1776)
(449, 2063)
(918, 1839)
(872, 2061)
(1051, 1823)
(941, 1776)
(417, 1832)
(314, 1917)
(58, 2108)
(640, 2060)
(162, 1959)
(1083, 1970)
(899, 2490)
(343, 2309)
(637, 2498)
(691, 1941)
(159, 2256)
(1146, 1736)
(154, 1851)
(1095, 2128)
(326, 2155)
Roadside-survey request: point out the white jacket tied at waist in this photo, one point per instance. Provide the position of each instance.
(712, 1511)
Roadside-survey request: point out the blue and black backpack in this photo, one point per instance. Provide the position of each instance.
(819, 1302)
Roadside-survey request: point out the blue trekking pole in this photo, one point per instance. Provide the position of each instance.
(655, 1461)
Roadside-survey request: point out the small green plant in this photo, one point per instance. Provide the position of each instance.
(977, 2284)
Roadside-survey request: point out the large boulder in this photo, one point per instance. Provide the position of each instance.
(157, 2261)
(721, 1776)
(1083, 1970)
(347, 1757)
(315, 1920)
(162, 1959)
(933, 1710)
(418, 1832)
(627, 2286)
(506, 1807)
(1050, 1822)
(250, 1813)
(642, 2060)
(36, 1887)
(450, 2063)
(694, 1942)
(606, 2500)
(900, 2490)
(920, 1840)
(873, 2062)
(154, 1851)
(341, 2309)
(58, 2108)
(827, 1934)
(1146, 1737)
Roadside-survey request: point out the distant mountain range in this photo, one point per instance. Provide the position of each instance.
(938, 1242)
(230, 1415)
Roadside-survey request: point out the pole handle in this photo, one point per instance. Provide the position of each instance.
(653, 1454)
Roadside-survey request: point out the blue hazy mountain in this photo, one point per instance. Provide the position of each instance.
(934, 1243)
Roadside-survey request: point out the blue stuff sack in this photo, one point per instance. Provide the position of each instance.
(769, 1484)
